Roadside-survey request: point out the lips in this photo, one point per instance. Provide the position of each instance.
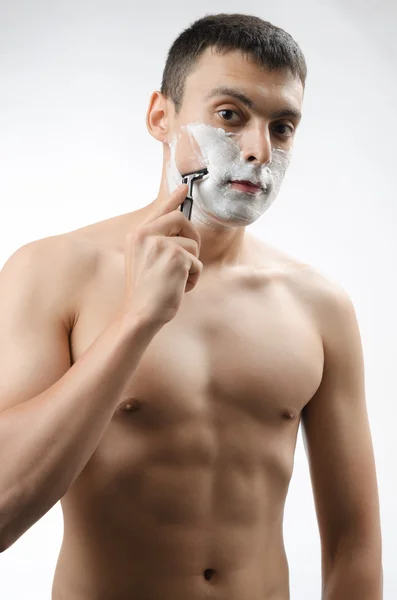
(246, 186)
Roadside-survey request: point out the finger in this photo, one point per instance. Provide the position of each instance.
(187, 243)
(170, 204)
(194, 273)
(173, 224)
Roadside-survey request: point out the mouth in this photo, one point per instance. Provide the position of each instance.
(246, 186)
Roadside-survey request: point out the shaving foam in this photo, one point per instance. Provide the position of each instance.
(216, 203)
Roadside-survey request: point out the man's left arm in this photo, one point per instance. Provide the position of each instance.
(338, 444)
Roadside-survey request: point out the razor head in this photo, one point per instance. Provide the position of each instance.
(200, 173)
(190, 179)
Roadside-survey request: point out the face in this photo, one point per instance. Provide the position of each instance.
(238, 120)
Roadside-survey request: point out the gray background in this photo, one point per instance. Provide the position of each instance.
(75, 80)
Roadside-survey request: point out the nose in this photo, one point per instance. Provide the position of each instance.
(257, 146)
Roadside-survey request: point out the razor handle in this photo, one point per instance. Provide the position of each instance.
(187, 204)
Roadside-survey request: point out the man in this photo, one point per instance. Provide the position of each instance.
(166, 421)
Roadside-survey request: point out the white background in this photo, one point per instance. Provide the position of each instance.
(75, 79)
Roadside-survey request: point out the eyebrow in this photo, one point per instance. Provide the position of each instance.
(234, 93)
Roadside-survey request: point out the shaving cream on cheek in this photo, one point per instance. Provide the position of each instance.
(174, 177)
(216, 203)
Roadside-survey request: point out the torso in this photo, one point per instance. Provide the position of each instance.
(183, 498)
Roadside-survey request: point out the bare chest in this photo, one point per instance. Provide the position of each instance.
(241, 344)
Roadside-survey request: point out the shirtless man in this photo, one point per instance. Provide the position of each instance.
(155, 370)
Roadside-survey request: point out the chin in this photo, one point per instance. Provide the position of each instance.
(231, 220)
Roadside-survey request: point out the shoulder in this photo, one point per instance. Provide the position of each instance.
(56, 268)
(328, 303)
(322, 297)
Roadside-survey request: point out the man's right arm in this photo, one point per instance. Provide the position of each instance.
(52, 415)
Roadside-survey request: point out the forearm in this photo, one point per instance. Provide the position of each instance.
(354, 576)
(46, 441)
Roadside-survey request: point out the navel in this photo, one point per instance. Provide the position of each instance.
(208, 574)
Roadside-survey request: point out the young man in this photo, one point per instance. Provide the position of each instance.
(154, 370)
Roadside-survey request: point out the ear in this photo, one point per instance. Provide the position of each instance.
(158, 117)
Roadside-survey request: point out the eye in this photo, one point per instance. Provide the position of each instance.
(230, 116)
(283, 130)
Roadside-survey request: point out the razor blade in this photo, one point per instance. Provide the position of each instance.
(190, 179)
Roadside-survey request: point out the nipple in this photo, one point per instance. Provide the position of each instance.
(130, 405)
(288, 414)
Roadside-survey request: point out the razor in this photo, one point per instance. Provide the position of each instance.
(190, 179)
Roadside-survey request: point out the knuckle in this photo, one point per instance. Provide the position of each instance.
(138, 235)
(157, 242)
(175, 251)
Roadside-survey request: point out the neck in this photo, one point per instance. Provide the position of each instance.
(220, 246)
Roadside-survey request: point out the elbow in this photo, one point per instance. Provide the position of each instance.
(10, 514)
(20, 511)
(3, 547)
(4, 540)
(8, 537)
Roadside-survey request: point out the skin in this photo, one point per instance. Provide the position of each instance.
(184, 495)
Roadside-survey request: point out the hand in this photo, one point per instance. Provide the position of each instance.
(161, 262)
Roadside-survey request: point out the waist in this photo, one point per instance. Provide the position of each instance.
(235, 566)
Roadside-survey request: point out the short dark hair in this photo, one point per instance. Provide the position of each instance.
(269, 46)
